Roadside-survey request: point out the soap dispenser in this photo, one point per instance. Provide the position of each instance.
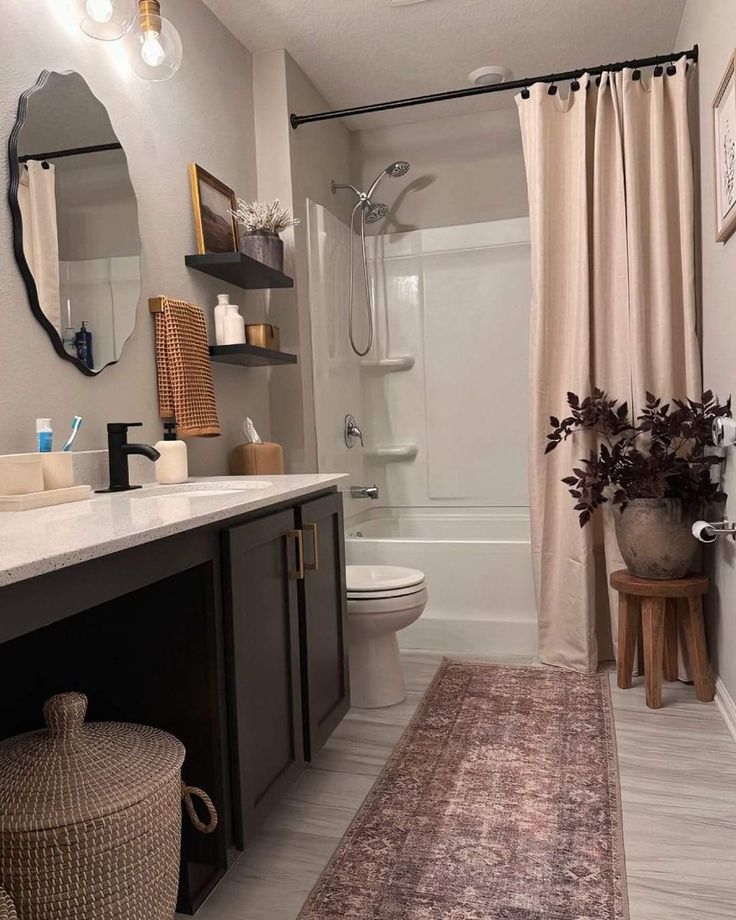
(172, 466)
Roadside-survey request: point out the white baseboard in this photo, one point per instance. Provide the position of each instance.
(484, 638)
(727, 707)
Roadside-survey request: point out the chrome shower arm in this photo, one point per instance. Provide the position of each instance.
(336, 188)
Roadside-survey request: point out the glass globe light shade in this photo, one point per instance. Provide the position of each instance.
(155, 56)
(106, 20)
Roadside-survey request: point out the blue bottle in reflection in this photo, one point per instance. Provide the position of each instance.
(83, 344)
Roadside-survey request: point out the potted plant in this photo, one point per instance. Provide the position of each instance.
(262, 221)
(655, 470)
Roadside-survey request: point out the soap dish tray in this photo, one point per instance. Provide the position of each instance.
(31, 500)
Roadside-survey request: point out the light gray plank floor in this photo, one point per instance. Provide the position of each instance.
(678, 784)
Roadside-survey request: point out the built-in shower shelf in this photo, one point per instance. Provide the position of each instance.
(388, 365)
(392, 453)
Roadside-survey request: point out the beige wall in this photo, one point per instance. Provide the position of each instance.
(712, 25)
(294, 166)
(464, 169)
(205, 114)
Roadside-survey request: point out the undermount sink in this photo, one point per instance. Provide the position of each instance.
(202, 489)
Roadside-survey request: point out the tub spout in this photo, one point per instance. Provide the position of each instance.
(364, 492)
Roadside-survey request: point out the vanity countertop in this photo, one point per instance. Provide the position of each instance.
(35, 542)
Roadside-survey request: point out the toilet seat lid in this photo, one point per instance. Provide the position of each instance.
(368, 579)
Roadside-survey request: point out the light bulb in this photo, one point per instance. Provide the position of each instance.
(100, 10)
(152, 52)
(106, 20)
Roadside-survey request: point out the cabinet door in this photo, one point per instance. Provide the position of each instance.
(262, 561)
(323, 613)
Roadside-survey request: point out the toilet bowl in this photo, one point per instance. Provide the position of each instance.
(382, 599)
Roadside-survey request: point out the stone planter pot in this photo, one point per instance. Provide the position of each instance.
(655, 537)
(263, 246)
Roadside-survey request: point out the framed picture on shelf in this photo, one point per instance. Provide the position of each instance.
(217, 229)
(724, 144)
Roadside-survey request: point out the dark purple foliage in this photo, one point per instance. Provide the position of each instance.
(663, 455)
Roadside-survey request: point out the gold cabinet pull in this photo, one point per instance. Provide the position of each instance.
(313, 566)
(298, 536)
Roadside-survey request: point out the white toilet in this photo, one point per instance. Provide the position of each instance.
(382, 599)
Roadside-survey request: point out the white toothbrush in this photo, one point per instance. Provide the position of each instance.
(76, 425)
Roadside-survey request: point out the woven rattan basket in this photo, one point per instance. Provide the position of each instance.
(90, 819)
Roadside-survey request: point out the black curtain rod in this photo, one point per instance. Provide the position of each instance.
(297, 120)
(72, 152)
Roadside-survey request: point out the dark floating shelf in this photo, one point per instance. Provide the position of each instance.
(240, 270)
(249, 355)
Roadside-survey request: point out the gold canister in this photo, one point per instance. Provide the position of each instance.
(263, 335)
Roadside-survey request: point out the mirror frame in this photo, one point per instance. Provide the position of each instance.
(17, 221)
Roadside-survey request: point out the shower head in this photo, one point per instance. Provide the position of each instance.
(375, 212)
(397, 169)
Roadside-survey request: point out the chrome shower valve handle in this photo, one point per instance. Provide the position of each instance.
(352, 432)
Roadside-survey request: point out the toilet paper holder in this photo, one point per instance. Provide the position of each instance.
(709, 531)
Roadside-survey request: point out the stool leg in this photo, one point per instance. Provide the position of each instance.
(653, 613)
(694, 631)
(628, 618)
(671, 668)
(628, 622)
(640, 647)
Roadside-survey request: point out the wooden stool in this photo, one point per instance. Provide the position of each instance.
(652, 610)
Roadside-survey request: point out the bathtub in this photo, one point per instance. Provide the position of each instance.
(477, 564)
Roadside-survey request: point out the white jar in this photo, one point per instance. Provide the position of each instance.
(173, 465)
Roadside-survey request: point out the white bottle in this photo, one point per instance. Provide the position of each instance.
(172, 466)
(233, 327)
(223, 302)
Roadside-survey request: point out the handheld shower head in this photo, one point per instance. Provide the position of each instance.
(397, 169)
(375, 212)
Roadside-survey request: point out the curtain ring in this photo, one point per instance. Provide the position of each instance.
(553, 87)
(658, 71)
(525, 94)
(671, 69)
(636, 75)
(575, 86)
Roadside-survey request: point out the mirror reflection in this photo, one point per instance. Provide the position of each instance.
(76, 222)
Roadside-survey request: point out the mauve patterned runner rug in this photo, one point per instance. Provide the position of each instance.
(500, 802)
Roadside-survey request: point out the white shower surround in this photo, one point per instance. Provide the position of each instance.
(455, 302)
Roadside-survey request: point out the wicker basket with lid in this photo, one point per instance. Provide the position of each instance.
(90, 818)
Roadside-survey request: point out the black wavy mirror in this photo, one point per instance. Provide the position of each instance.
(75, 221)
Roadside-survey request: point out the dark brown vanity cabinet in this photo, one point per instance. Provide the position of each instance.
(285, 594)
(325, 687)
(264, 561)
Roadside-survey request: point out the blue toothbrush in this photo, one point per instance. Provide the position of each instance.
(76, 425)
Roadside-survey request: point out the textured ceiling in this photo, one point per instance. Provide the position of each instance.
(363, 51)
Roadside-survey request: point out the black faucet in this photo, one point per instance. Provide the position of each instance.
(119, 450)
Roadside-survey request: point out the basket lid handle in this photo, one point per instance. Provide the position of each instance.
(64, 714)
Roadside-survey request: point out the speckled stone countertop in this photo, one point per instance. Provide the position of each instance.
(35, 542)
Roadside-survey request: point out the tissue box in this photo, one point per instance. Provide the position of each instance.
(265, 459)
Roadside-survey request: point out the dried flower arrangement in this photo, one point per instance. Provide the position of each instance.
(264, 216)
(663, 453)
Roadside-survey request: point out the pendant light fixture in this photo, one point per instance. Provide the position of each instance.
(106, 20)
(153, 48)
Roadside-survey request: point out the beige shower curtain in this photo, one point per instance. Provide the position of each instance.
(37, 202)
(610, 180)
